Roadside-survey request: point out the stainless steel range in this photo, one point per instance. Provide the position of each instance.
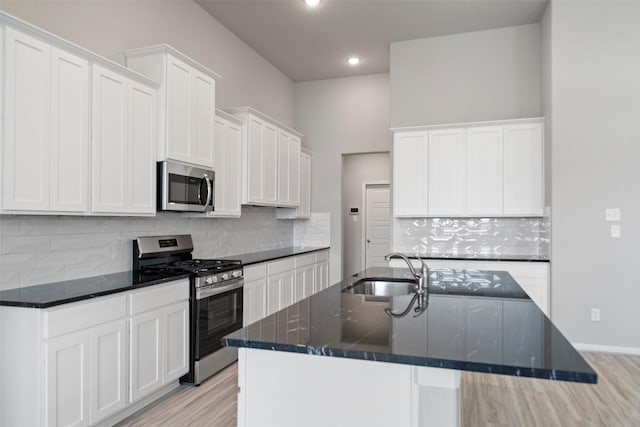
(215, 302)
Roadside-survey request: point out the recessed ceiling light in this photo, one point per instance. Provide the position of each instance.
(354, 60)
(312, 3)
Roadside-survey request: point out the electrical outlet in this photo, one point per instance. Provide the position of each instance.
(612, 214)
(595, 314)
(615, 231)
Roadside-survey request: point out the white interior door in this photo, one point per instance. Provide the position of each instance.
(377, 225)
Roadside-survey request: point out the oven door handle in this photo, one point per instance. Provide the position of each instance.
(206, 292)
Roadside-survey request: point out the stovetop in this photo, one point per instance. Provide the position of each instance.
(197, 267)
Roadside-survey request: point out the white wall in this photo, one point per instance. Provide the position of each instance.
(595, 88)
(484, 75)
(110, 27)
(340, 116)
(356, 170)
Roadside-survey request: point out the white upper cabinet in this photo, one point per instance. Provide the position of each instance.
(445, 170)
(304, 210)
(270, 168)
(46, 126)
(228, 167)
(484, 164)
(477, 169)
(410, 178)
(187, 103)
(78, 135)
(523, 167)
(123, 137)
(288, 169)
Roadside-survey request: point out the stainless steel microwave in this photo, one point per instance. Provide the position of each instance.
(184, 188)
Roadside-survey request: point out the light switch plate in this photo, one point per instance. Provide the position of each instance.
(615, 231)
(612, 214)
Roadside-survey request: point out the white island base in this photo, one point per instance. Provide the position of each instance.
(282, 389)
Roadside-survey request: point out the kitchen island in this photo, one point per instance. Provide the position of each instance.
(337, 359)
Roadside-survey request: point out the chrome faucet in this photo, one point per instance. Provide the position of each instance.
(422, 287)
(422, 278)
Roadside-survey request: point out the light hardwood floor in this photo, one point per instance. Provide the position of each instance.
(487, 400)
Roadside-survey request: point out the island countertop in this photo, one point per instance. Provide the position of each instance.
(475, 321)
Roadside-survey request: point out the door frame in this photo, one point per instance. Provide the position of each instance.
(363, 241)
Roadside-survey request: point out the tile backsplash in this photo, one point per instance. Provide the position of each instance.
(41, 249)
(314, 231)
(471, 236)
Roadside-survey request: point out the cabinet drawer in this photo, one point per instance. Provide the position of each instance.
(82, 315)
(322, 256)
(158, 296)
(281, 266)
(255, 272)
(302, 260)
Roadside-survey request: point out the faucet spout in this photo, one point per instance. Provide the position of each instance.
(421, 278)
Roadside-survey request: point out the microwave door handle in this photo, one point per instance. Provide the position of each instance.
(209, 191)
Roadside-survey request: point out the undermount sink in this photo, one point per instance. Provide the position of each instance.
(381, 288)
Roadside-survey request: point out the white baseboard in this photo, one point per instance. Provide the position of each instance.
(607, 348)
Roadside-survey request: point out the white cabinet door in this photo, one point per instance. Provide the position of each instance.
(295, 146)
(108, 373)
(254, 301)
(322, 275)
(523, 170)
(269, 165)
(69, 173)
(202, 120)
(27, 80)
(179, 109)
(145, 347)
(280, 291)
(67, 380)
(46, 132)
(123, 144)
(305, 281)
(288, 169)
(304, 210)
(233, 174)
(175, 344)
(446, 171)
(228, 168)
(410, 179)
(484, 166)
(142, 145)
(111, 164)
(255, 128)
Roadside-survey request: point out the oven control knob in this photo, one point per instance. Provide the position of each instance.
(225, 276)
(236, 274)
(209, 280)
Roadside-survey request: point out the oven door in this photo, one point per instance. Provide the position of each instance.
(218, 313)
(185, 188)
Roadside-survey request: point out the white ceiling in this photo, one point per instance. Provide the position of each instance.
(313, 44)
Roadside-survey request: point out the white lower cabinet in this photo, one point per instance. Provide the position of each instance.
(81, 363)
(67, 380)
(281, 284)
(108, 373)
(305, 276)
(254, 304)
(272, 286)
(322, 270)
(158, 338)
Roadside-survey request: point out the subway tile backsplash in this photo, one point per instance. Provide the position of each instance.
(314, 231)
(471, 236)
(42, 249)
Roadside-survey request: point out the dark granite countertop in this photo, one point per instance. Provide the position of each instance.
(485, 257)
(482, 323)
(273, 254)
(52, 294)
